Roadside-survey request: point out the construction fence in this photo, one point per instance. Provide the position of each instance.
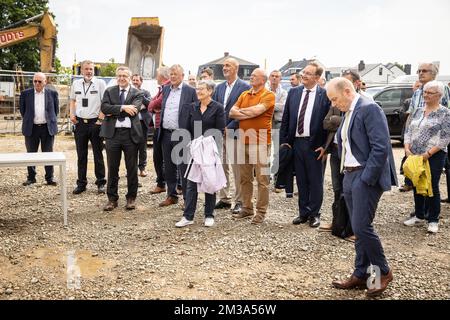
(12, 83)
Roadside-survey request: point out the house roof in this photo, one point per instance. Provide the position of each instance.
(337, 70)
(369, 67)
(301, 64)
(221, 60)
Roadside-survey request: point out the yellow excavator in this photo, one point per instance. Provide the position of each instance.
(41, 26)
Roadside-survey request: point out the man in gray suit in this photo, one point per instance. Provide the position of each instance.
(122, 132)
(367, 162)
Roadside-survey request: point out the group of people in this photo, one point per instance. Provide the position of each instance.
(249, 124)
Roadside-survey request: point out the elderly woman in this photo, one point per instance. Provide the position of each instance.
(201, 116)
(428, 135)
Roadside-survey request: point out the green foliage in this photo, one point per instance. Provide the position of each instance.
(26, 54)
(109, 70)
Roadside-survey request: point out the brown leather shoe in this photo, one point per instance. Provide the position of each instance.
(110, 205)
(158, 190)
(131, 204)
(351, 283)
(168, 202)
(143, 173)
(257, 219)
(243, 214)
(384, 281)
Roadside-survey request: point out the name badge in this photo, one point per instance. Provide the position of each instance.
(84, 102)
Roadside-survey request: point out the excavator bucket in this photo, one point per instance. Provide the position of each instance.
(144, 46)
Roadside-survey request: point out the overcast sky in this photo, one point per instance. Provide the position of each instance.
(337, 33)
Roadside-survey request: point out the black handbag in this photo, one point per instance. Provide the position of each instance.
(341, 225)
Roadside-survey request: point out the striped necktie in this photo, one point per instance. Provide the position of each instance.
(301, 116)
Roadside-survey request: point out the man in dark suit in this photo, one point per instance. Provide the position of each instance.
(39, 107)
(145, 118)
(175, 96)
(122, 132)
(368, 165)
(302, 129)
(227, 93)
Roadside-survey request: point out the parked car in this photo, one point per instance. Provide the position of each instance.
(391, 99)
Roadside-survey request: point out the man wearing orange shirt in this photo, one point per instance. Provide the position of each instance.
(254, 110)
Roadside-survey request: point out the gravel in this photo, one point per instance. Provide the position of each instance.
(141, 255)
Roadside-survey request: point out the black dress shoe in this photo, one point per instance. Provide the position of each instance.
(314, 222)
(300, 220)
(28, 182)
(101, 189)
(237, 208)
(222, 205)
(445, 200)
(52, 183)
(79, 190)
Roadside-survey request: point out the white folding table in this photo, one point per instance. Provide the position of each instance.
(40, 159)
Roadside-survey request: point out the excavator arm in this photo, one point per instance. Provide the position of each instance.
(45, 31)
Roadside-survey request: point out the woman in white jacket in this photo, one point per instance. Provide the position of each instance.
(201, 118)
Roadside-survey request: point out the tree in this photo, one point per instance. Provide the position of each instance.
(26, 54)
(109, 70)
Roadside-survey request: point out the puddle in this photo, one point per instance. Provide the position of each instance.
(71, 265)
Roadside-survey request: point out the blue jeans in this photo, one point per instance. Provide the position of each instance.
(191, 202)
(433, 204)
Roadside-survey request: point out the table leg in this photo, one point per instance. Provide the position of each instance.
(62, 175)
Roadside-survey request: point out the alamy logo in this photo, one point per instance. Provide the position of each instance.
(374, 279)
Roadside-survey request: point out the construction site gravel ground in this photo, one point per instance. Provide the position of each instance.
(141, 255)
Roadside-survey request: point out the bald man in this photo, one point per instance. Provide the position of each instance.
(254, 110)
(39, 107)
(227, 93)
(367, 162)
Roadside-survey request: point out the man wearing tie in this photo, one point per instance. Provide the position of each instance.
(368, 165)
(227, 93)
(123, 132)
(39, 107)
(302, 129)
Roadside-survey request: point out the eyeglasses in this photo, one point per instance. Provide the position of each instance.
(428, 92)
(423, 71)
(37, 81)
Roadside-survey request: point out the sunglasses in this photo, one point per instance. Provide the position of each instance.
(423, 71)
(37, 81)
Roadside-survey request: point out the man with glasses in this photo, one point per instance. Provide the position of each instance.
(122, 131)
(39, 107)
(427, 72)
(302, 130)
